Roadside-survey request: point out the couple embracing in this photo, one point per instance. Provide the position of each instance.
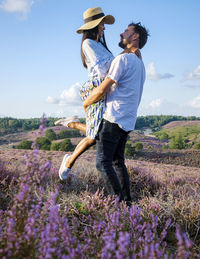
(110, 99)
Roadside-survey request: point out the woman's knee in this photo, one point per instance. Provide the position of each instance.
(91, 142)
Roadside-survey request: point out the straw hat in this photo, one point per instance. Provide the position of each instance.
(92, 17)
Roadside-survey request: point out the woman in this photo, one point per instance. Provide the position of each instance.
(97, 58)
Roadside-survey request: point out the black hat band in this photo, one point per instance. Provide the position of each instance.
(94, 17)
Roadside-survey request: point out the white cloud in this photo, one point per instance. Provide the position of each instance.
(156, 103)
(195, 103)
(192, 86)
(157, 106)
(69, 97)
(153, 75)
(51, 99)
(194, 75)
(165, 107)
(16, 6)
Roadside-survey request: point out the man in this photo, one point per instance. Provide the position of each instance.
(123, 87)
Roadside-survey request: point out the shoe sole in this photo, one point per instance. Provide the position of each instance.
(65, 122)
(64, 161)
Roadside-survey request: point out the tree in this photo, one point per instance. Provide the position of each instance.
(55, 146)
(66, 145)
(63, 134)
(44, 143)
(176, 142)
(50, 134)
(68, 134)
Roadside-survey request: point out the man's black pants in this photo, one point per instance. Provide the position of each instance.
(111, 141)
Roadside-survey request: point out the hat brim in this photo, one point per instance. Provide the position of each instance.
(108, 19)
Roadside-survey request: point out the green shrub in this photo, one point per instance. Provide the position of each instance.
(186, 140)
(55, 146)
(68, 134)
(164, 136)
(189, 145)
(129, 149)
(50, 134)
(24, 144)
(149, 147)
(66, 145)
(44, 143)
(197, 146)
(165, 146)
(138, 146)
(176, 142)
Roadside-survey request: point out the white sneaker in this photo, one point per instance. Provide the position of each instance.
(64, 171)
(66, 121)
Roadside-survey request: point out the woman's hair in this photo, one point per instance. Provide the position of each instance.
(91, 34)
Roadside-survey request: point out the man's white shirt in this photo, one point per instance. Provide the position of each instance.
(123, 99)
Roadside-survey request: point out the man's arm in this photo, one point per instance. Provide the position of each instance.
(98, 92)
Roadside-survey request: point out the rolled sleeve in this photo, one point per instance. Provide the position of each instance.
(116, 70)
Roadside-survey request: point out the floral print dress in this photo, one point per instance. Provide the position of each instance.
(98, 60)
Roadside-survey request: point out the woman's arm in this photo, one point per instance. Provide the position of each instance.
(98, 93)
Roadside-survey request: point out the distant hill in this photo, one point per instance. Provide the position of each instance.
(173, 124)
(181, 134)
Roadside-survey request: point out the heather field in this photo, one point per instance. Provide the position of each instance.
(42, 217)
(190, 158)
(12, 139)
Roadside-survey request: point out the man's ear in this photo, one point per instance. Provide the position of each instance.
(136, 36)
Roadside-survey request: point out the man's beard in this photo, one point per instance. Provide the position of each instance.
(122, 44)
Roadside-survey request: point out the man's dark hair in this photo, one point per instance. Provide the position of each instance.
(91, 34)
(143, 33)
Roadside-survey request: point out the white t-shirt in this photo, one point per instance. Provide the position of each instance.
(97, 58)
(123, 99)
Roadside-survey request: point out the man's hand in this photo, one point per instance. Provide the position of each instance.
(98, 93)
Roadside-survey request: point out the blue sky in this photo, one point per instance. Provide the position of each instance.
(40, 65)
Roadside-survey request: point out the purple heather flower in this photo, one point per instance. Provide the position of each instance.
(123, 244)
(43, 123)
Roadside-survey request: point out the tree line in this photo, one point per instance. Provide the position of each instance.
(155, 122)
(12, 125)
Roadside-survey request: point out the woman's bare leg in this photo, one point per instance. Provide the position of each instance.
(77, 125)
(83, 145)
